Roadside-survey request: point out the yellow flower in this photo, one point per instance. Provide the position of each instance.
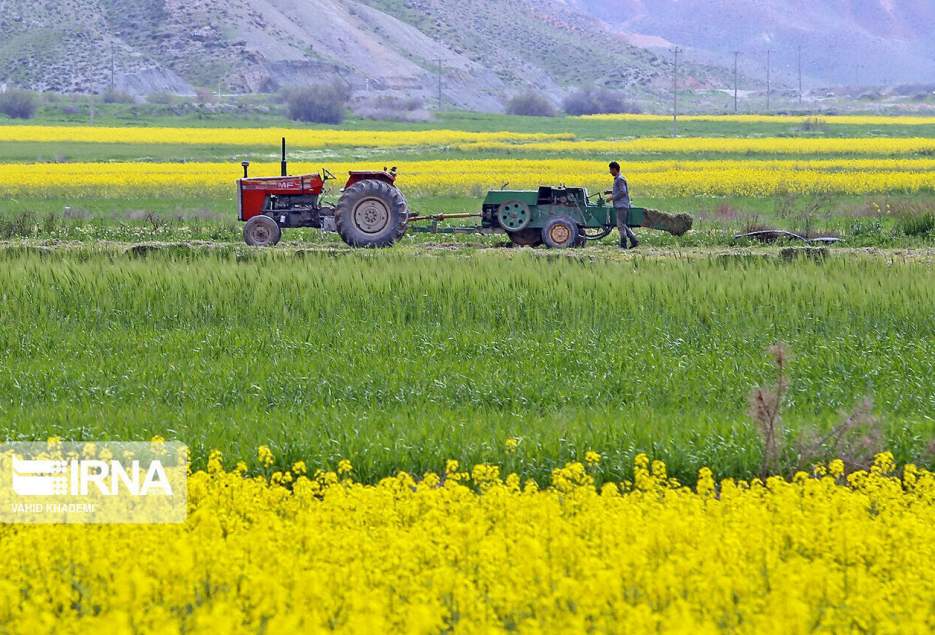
(511, 444)
(413, 556)
(215, 462)
(265, 456)
(344, 467)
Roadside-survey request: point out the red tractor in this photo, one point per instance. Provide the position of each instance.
(371, 211)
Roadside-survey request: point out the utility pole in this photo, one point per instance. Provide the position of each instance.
(800, 74)
(736, 55)
(768, 86)
(113, 68)
(675, 94)
(439, 84)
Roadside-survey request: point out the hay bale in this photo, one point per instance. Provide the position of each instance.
(810, 253)
(141, 250)
(742, 259)
(675, 224)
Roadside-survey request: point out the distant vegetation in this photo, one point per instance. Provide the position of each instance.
(391, 108)
(597, 101)
(530, 104)
(325, 104)
(19, 104)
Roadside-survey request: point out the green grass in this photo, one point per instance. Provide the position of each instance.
(402, 359)
(214, 217)
(156, 115)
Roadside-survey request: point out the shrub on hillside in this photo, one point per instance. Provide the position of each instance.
(324, 104)
(390, 108)
(591, 101)
(162, 99)
(117, 97)
(530, 104)
(19, 104)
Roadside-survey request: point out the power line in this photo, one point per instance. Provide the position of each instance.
(768, 85)
(675, 94)
(799, 59)
(736, 55)
(439, 84)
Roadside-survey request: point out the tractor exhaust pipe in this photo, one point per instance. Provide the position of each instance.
(284, 165)
(246, 167)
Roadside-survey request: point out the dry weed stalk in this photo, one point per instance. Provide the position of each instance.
(766, 411)
(855, 440)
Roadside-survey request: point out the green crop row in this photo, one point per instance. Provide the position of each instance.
(402, 359)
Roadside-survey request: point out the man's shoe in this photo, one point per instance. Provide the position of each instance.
(623, 244)
(634, 244)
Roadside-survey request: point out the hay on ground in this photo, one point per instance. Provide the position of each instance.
(675, 224)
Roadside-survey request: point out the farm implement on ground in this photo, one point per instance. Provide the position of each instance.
(372, 212)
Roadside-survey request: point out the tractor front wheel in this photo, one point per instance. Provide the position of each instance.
(261, 231)
(371, 213)
(560, 233)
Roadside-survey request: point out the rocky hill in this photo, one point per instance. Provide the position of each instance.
(486, 50)
(844, 42)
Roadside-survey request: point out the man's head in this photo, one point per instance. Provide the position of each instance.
(614, 168)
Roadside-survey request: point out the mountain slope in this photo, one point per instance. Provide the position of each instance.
(843, 41)
(486, 50)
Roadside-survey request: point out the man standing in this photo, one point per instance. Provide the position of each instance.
(620, 196)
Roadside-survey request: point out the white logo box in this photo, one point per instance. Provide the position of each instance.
(94, 482)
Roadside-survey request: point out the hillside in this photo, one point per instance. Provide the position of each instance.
(865, 42)
(486, 50)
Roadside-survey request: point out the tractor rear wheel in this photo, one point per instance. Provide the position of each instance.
(371, 213)
(529, 237)
(560, 233)
(261, 231)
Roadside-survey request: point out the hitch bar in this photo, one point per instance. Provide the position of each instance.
(434, 219)
(438, 217)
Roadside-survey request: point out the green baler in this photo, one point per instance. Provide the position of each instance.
(565, 217)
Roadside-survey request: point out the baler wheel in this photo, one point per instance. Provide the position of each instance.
(560, 233)
(514, 216)
(261, 231)
(371, 213)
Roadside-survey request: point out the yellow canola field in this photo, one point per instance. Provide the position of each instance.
(718, 145)
(468, 141)
(481, 552)
(300, 138)
(475, 177)
(850, 120)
